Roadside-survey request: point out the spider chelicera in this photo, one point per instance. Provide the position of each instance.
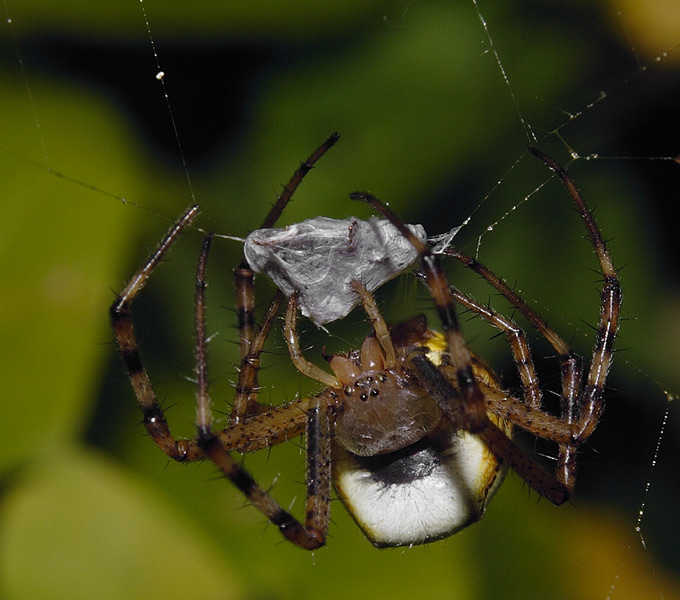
(413, 430)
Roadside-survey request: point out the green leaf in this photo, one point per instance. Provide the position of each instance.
(78, 526)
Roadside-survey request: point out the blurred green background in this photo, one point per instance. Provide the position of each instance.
(90, 508)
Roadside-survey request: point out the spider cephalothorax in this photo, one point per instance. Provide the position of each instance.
(383, 409)
(413, 430)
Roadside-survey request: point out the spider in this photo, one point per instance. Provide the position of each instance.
(413, 430)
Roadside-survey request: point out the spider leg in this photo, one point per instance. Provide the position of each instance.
(313, 533)
(474, 413)
(203, 410)
(442, 390)
(379, 325)
(589, 405)
(305, 367)
(253, 427)
(580, 408)
(246, 400)
(561, 347)
(528, 414)
(570, 362)
(154, 419)
(525, 466)
(296, 179)
(266, 429)
(518, 344)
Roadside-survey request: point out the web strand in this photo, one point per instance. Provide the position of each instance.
(528, 132)
(27, 86)
(160, 76)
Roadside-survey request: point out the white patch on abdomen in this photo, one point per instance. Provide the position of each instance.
(424, 494)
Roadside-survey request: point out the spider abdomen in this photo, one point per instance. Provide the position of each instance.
(421, 493)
